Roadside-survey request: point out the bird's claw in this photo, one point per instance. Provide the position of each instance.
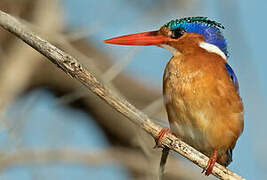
(160, 136)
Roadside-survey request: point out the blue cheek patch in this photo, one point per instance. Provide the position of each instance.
(232, 75)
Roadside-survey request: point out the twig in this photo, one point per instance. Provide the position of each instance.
(72, 67)
(117, 68)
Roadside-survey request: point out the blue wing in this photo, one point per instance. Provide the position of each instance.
(232, 75)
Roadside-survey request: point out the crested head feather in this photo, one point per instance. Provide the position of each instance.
(173, 24)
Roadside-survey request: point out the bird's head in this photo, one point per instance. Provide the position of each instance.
(177, 35)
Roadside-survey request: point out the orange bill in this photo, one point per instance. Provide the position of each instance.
(139, 39)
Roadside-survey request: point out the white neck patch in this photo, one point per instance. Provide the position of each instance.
(169, 48)
(212, 48)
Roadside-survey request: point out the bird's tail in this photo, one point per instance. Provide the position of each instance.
(229, 154)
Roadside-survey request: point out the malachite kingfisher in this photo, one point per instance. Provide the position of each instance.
(200, 88)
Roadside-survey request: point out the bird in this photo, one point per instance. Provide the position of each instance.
(200, 89)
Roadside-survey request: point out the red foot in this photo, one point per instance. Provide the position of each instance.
(211, 163)
(161, 134)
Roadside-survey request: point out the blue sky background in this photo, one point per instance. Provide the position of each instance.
(245, 33)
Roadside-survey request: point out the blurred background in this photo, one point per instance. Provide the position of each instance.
(51, 127)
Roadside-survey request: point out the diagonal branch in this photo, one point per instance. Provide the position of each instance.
(76, 70)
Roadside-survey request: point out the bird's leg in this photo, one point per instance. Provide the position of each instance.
(211, 163)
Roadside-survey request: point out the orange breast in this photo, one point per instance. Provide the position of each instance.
(203, 105)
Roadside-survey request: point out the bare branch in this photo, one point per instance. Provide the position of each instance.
(76, 70)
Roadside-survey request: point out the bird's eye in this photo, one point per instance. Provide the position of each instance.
(176, 33)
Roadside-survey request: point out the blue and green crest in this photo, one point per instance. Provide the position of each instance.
(202, 25)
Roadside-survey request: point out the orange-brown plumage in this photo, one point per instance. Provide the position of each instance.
(200, 88)
(203, 105)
